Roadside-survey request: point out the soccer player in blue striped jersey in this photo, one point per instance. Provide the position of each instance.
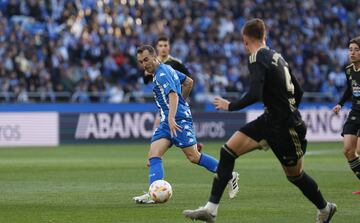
(171, 88)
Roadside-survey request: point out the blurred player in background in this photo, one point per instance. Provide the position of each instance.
(280, 126)
(351, 129)
(171, 88)
(163, 51)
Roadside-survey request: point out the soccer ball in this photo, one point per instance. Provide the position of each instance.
(160, 191)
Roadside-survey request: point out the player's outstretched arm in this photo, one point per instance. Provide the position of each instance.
(252, 96)
(255, 93)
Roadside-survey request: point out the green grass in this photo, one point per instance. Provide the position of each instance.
(95, 183)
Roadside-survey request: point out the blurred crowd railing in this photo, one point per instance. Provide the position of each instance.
(103, 97)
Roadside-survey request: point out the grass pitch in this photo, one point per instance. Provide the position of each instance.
(95, 183)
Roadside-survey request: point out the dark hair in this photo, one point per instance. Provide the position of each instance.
(355, 40)
(162, 38)
(254, 28)
(149, 48)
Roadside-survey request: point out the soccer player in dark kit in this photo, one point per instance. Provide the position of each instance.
(280, 126)
(351, 130)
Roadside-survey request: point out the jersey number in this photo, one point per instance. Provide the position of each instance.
(289, 85)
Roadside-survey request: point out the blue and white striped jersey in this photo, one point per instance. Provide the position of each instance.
(167, 80)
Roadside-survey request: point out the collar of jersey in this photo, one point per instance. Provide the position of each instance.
(263, 47)
(161, 64)
(356, 70)
(167, 58)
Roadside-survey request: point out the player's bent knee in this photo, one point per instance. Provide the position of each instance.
(193, 158)
(294, 179)
(155, 153)
(226, 150)
(349, 153)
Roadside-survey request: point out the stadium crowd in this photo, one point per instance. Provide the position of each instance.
(84, 50)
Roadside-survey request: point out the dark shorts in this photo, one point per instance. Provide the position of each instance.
(352, 124)
(288, 143)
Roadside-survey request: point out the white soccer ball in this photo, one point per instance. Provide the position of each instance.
(160, 191)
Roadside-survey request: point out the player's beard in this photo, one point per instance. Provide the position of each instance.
(147, 79)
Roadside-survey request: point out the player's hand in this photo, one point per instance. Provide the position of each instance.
(336, 109)
(221, 104)
(173, 126)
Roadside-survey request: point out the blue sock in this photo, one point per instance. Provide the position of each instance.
(209, 162)
(156, 170)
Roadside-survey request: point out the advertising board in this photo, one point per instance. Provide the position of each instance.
(29, 129)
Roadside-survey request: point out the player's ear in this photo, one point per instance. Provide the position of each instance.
(246, 43)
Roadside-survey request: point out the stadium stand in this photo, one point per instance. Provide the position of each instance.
(83, 50)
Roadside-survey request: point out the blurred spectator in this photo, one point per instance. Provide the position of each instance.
(116, 95)
(338, 78)
(87, 48)
(329, 91)
(81, 94)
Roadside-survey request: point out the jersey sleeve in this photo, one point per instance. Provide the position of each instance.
(167, 81)
(257, 77)
(347, 94)
(181, 76)
(181, 67)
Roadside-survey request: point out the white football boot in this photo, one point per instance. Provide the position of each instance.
(201, 214)
(144, 199)
(233, 186)
(324, 216)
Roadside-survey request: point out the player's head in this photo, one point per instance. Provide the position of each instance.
(163, 46)
(147, 59)
(354, 50)
(254, 33)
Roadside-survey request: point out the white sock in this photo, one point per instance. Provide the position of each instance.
(212, 207)
(326, 209)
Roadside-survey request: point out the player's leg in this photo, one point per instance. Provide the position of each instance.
(155, 126)
(289, 147)
(351, 144)
(160, 143)
(156, 152)
(156, 169)
(202, 159)
(351, 135)
(237, 145)
(186, 140)
(240, 142)
(355, 163)
(308, 186)
(211, 164)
